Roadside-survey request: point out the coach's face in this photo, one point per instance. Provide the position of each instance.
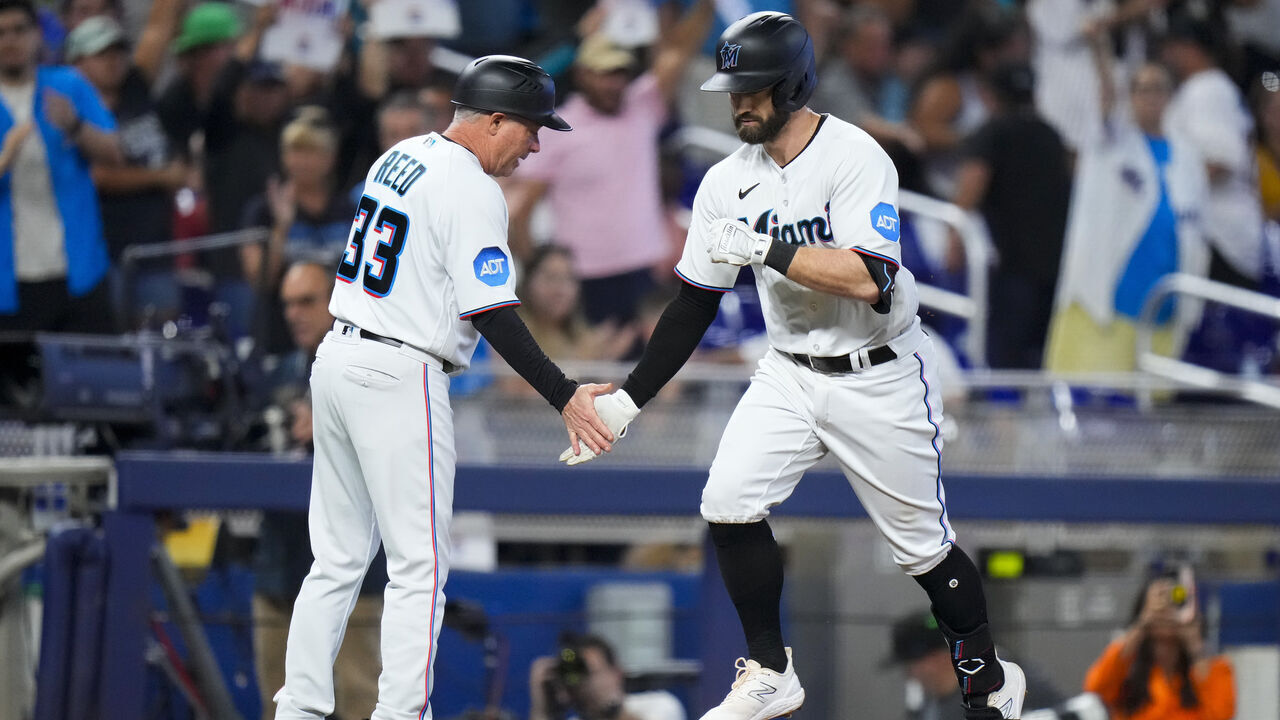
(515, 138)
(755, 118)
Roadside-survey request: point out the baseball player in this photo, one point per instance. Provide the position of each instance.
(810, 203)
(426, 270)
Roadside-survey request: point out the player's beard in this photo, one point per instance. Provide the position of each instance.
(764, 130)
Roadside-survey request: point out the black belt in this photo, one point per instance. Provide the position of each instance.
(447, 366)
(845, 363)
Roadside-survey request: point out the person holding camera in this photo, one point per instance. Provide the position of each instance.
(584, 681)
(1158, 669)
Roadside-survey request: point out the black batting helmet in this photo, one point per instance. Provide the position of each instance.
(763, 50)
(511, 85)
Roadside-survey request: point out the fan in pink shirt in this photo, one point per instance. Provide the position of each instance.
(602, 183)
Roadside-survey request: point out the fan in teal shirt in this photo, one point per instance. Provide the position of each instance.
(73, 189)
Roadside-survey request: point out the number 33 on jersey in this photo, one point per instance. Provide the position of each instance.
(427, 250)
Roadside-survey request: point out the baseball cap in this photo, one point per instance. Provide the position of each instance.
(915, 636)
(93, 36)
(600, 53)
(207, 24)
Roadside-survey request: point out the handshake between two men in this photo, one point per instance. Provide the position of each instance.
(728, 241)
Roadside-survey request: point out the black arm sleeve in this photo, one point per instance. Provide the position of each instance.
(884, 274)
(509, 336)
(674, 340)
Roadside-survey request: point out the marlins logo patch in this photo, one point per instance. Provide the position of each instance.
(884, 218)
(492, 266)
(729, 56)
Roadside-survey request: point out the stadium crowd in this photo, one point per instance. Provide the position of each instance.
(1099, 145)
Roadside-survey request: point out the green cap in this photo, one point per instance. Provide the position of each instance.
(206, 24)
(93, 36)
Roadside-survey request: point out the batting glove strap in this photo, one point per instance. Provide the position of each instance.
(733, 242)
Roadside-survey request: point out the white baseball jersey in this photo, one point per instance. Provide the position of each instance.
(881, 423)
(428, 249)
(840, 192)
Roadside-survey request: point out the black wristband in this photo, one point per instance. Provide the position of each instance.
(780, 255)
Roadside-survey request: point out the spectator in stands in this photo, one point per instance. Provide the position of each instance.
(437, 101)
(585, 679)
(401, 117)
(57, 20)
(136, 197)
(283, 556)
(948, 103)
(1266, 106)
(1209, 110)
(205, 45)
(239, 108)
(602, 179)
(396, 54)
(1015, 172)
(919, 647)
(307, 213)
(53, 258)
(859, 83)
(1158, 669)
(1135, 217)
(1067, 82)
(551, 307)
(304, 294)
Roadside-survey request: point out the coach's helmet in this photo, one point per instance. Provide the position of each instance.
(511, 85)
(762, 50)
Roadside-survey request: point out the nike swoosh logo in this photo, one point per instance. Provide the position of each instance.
(742, 194)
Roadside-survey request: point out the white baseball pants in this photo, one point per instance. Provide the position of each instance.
(883, 426)
(383, 472)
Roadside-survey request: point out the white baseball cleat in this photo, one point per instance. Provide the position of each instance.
(760, 693)
(1008, 699)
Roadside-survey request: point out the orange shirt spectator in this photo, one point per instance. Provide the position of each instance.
(1212, 679)
(1158, 670)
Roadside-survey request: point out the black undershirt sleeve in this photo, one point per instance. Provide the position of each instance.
(674, 339)
(509, 336)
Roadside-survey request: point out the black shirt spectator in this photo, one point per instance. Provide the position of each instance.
(1015, 171)
(144, 216)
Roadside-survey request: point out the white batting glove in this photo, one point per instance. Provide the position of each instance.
(617, 410)
(734, 242)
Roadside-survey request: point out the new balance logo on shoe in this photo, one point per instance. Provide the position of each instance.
(760, 693)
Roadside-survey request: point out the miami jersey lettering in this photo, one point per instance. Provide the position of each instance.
(841, 192)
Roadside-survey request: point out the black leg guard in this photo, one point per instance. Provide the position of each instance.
(751, 566)
(973, 655)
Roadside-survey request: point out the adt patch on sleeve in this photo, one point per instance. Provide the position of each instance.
(884, 218)
(492, 266)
